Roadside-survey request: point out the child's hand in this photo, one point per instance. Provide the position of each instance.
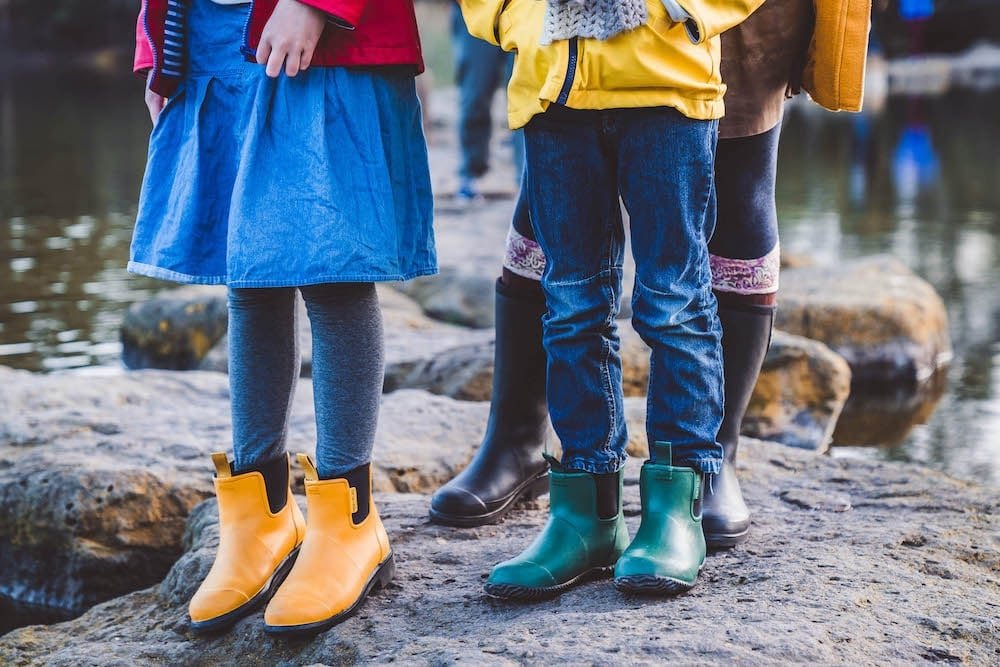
(290, 37)
(155, 104)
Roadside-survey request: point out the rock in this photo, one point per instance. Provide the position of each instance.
(455, 296)
(174, 330)
(799, 395)
(797, 401)
(635, 360)
(889, 324)
(424, 440)
(908, 574)
(98, 476)
(419, 352)
(464, 372)
(427, 354)
(792, 260)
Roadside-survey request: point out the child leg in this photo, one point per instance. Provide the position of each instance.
(346, 551)
(260, 526)
(263, 370)
(347, 369)
(745, 264)
(666, 163)
(573, 198)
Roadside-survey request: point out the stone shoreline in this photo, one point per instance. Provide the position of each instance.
(849, 562)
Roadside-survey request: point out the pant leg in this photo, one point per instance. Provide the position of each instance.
(263, 370)
(666, 180)
(347, 371)
(573, 202)
(479, 70)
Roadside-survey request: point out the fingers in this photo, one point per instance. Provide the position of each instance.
(306, 59)
(155, 104)
(263, 50)
(291, 57)
(276, 60)
(293, 61)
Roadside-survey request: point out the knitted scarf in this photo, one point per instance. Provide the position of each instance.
(598, 19)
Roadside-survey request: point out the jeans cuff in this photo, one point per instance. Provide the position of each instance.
(706, 464)
(581, 464)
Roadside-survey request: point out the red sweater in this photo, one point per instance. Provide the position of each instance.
(363, 33)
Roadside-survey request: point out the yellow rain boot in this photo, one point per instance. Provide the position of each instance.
(345, 555)
(259, 537)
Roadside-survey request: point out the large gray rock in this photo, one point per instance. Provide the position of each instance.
(456, 296)
(800, 393)
(98, 474)
(848, 562)
(174, 330)
(889, 324)
(414, 343)
(797, 401)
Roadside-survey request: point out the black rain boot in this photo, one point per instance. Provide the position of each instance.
(508, 465)
(746, 334)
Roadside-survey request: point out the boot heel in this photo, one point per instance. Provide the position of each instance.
(537, 488)
(386, 572)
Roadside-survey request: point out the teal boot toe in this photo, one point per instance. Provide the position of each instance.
(576, 544)
(669, 549)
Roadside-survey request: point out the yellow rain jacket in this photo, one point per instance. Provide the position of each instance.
(661, 63)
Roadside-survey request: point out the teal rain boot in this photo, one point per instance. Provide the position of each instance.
(669, 549)
(575, 545)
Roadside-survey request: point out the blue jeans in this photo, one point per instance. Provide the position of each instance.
(661, 165)
(480, 68)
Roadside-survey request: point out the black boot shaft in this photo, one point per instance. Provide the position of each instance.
(518, 409)
(508, 464)
(746, 334)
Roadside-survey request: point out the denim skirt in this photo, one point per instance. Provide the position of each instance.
(260, 182)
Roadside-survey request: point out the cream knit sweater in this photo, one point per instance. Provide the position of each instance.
(597, 19)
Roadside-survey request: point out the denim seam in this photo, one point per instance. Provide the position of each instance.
(606, 347)
(579, 463)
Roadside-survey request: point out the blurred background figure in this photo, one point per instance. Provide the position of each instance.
(480, 69)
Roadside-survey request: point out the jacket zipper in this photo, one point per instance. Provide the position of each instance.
(152, 45)
(570, 72)
(245, 46)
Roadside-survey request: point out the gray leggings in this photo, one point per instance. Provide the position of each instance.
(347, 371)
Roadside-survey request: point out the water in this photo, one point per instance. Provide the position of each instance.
(919, 179)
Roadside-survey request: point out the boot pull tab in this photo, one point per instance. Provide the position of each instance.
(354, 500)
(222, 467)
(309, 467)
(553, 462)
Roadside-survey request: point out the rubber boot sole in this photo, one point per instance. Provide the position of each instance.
(227, 620)
(651, 585)
(530, 594)
(531, 488)
(379, 579)
(718, 541)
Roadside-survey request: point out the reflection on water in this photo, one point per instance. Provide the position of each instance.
(919, 179)
(71, 156)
